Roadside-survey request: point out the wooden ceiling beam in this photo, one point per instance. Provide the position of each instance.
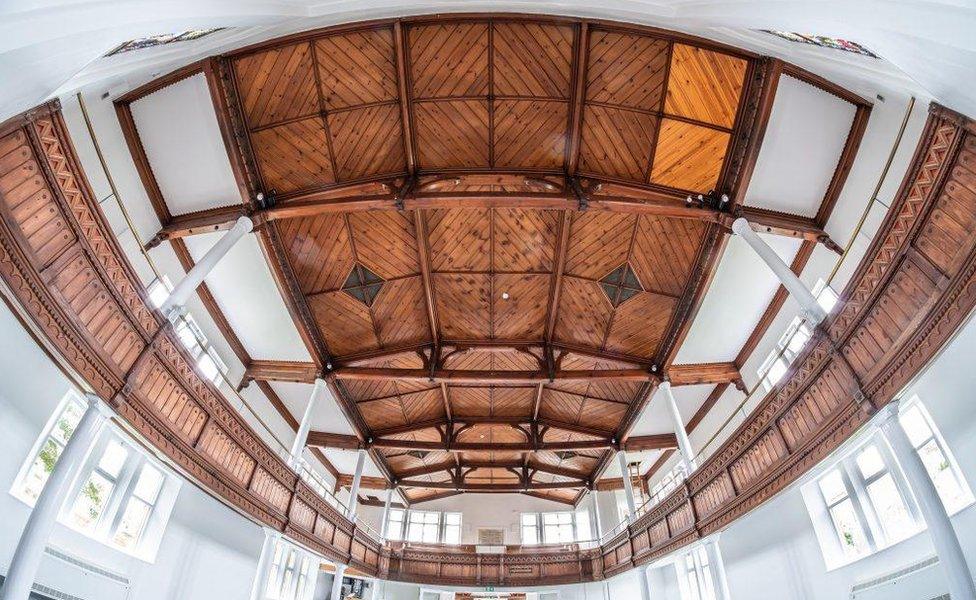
(658, 441)
(365, 482)
(783, 224)
(704, 373)
(281, 370)
(477, 446)
(459, 376)
(492, 487)
(341, 441)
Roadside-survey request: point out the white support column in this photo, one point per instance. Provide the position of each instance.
(336, 594)
(596, 509)
(384, 526)
(684, 444)
(259, 586)
(628, 485)
(717, 567)
(354, 489)
(30, 549)
(642, 582)
(809, 306)
(940, 529)
(301, 436)
(185, 288)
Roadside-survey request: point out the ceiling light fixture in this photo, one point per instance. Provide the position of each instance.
(505, 296)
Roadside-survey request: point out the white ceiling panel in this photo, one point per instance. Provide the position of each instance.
(345, 462)
(803, 143)
(326, 416)
(657, 419)
(246, 293)
(178, 128)
(735, 301)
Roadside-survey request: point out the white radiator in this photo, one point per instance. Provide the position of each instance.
(63, 576)
(918, 581)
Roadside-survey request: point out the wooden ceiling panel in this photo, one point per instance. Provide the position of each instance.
(463, 305)
(345, 322)
(525, 240)
(704, 85)
(459, 240)
(626, 70)
(664, 253)
(521, 316)
(583, 313)
(386, 242)
(602, 415)
(367, 141)
(599, 242)
(494, 434)
(293, 156)
(532, 59)
(357, 68)
(613, 391)
(560, 406)
(423, 406)
(469, 401)
(318, 250)
(512, 402)
(452, 135)
(400, 313)
(379, 414)
(364, 389)
(449, 59)
(639, 324)
(530, 134)
(689, 157)
(516, 360)
(277, 85)
(616, 143)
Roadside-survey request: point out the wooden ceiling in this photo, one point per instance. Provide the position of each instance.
(480, 227)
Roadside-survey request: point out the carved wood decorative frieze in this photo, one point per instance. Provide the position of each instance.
(914, 288)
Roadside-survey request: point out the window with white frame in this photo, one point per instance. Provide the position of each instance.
(291, 575)
(122, 497)
(208, 360)
(793, 339)
(695, 575)
(863, 503)
(563, 527)
(425, 526)
(452, 528)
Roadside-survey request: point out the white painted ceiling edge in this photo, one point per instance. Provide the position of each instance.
(55, 46)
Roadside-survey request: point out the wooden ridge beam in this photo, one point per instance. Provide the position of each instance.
(657, 441)
(461, 376)
(704, 373)
(474, 446)
(365, 482)
(281, 370)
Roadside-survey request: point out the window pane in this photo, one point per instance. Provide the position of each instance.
(939, 469)
(452, 518)
(67, 422)
(799, 338)
(550, 518)
(415, 532)
(208, 368)
(91, 500)
(776, 371)
(528, 519)
(895, 520)
(832, 486)
(848, 528)
(915, 425)
(149, 483)
(113, 459)
(133, 521)
(583, 526)
(869, 461)
(430, 533)
(530, 535)
(452, 534)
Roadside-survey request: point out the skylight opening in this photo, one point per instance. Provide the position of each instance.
(163, 39)
(822, 41)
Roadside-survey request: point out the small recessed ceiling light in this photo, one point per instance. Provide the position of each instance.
(505, 296)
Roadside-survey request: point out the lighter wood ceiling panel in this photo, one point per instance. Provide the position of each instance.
(689, 157)
(704, 85)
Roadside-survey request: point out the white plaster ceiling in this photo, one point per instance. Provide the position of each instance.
(326, 415)
(739, 294)
(178, 129)
(345, 462)
(802, 146)
(244, 289)
(656, 417)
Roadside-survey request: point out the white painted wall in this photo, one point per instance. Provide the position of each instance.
(207, 551)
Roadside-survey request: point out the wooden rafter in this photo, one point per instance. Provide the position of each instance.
(280, 370)
(460, 376)
(659, 441)
(492, 487)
